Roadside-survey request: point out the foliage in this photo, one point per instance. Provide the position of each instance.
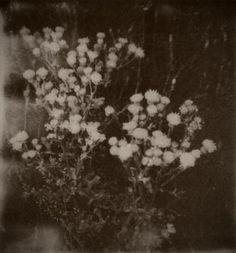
(117, 190)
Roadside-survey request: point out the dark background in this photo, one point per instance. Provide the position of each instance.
(201, 58)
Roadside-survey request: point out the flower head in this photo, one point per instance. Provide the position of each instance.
(129, 126)
(29, 74)
(113, 141)
(209, 146)
(136, 98)
(152, 96)
(125, 152)
(187, 159)
(151, 110)
(109, 110)
(140, 133)
(42, 72)
(134, 108)
(168, 157)
(173, 119)
(96, 78)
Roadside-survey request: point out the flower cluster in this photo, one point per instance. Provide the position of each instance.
(18, 140)
(69, 93)
(149, 137)
(155, 143)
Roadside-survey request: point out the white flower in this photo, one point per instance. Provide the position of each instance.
(53, 123)
(17, 146)
(60, 29)
(142, 116)
(30, 39)
(132, 48)
(84, 79)
(118, 45)
(95, 136)
(96, 78)
(173, 119)
(82, 61)
(109, 110)
(72, 53)
(87, 71)
(84, 40)
(51, 98)
(92, 55)
(165, 100)
(72, 80)
(63, 74)
(196, 153)
(185, 144)
(183, 109)
(157, 161)
(187, 160)
(38, 147)
(51, 136)
(160, 107)
(134, 108)
(54, 47)
(135, 148)
(75, 118)
(139, 52)
(140, 133)
(162, 141)
(74, 127)
(209, 146)
(76, 88)
(82, 92)
(19, 137)
(136, 98)
(31, 153)
(122, 142)
(157, 152)
(42, 72)
(188, 102)
(34, 142)
(61, 99)
(100, 41)
(25, 155)
(145, 161)
(113, 141)
(123, 40)
(151, 110)
(125, 152)
(71, 60)
(157, 133)
(29, 74)
(110, 64)
(152, 96)
(114, 150)
(24, 31)
(168, 157)
(113, 57)
(48, 85)
(101, 35)
(36, 51)
(128, 126)
(65, 125)
(56, 113)
(82, 49)
(171, 229)
(149, 152)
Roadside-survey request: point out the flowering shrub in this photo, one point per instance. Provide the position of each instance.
(151, 146)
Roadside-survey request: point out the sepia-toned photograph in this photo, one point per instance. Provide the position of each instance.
(117, 126)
